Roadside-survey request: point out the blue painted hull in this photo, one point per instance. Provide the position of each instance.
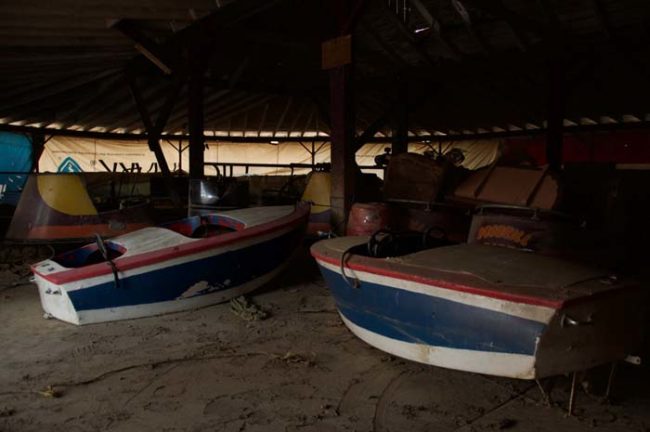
(221, 272)
(423, 319)
(168, 271)
(480, 309)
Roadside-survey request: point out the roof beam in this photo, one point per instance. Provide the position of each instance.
(410, 37)
(642, 125)
(123, 115)
(460, 72)
(467, 22)
(245, 106)
(72, 115)
(263, 119)
(143, 44)
(154, 130)
(140, 103)
(206, 29)
(434, 24)
(292, 127)
(309, 120)
(519, 24)
(283, 115)
(386, 47)
(410, 106)
(56, 90)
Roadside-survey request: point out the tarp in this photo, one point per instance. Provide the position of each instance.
(16, 157)
(64, 154)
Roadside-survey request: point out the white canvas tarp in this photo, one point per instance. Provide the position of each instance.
(64, 154)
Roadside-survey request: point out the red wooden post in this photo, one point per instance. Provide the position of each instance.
(338, 58)
(342, 148)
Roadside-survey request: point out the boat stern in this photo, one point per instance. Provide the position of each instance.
(55, 301)
(593, 330)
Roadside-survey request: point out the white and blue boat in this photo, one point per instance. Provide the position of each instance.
(195, 262)
(480, 308)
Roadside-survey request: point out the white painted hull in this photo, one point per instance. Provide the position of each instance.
(451, 318)
(60, 306)
(163, 271)
(489, 363)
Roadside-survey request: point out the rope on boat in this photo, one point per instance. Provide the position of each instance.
(102, 248)
(355, 282)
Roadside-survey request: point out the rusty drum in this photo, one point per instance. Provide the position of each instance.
(366, 218)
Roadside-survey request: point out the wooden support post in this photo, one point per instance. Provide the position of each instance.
(195, 112)
(555, 114)
(38, 145)
(338, 58)
(154, 146)
(342, 147)
(154, 131)
(400, 123)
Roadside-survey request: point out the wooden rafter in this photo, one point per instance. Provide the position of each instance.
(263, 119)
(55, 90)
(148, 48)
(462, 11)
(70, 115)
(283, 115)
(385, 46)
(436, 29)
(240, 108)
(529, 130)
(312, 112)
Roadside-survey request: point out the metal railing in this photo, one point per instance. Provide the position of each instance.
(227, 168)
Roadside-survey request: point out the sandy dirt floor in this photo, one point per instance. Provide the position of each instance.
(298, 370)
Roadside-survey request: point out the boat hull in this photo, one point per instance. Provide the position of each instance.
(447, 324)
(433, 330)
(63, 308)
(188, 281)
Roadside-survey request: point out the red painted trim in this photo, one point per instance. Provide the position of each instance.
(517, 298)
(299, 216)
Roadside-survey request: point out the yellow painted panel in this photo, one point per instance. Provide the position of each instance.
(318, 190)
(65, 193)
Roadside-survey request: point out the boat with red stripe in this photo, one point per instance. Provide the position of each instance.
(187, 264)
(480, 308)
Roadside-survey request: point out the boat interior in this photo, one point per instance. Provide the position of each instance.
(195, 227)
(387, 243)
(90, 254)
(202, 226)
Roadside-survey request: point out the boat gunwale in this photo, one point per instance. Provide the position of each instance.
(439, 283)
(171, 252)
(374, 266)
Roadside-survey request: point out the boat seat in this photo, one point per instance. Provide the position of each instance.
(385, 243)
